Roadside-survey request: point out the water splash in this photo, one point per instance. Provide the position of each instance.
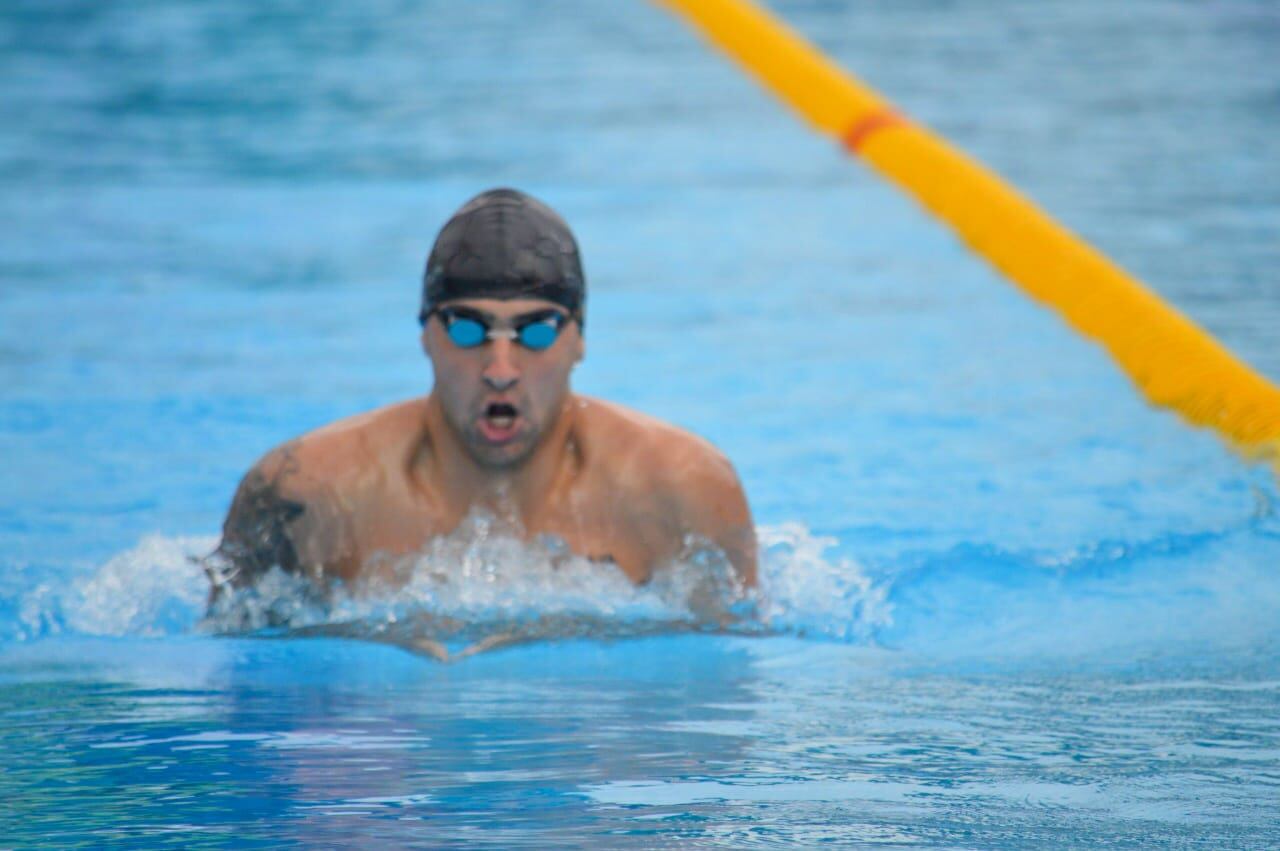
(805, 592)
(156, 588)
(481, 581)
(1177, 594)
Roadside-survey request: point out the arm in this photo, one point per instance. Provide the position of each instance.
(713, 506)
(279, 517)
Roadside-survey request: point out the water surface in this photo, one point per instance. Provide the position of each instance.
(1007, 604)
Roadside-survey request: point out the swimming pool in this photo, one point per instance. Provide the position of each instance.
(1009, 605)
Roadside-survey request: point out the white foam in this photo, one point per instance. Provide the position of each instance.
(484, 581)
(155, 588)
(480, 580)
(804, 591)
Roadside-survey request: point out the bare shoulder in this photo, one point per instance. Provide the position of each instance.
(346, 449)
(682, 475)
(667, 455)
(289, 510)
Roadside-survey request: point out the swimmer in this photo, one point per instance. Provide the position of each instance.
(501, 431)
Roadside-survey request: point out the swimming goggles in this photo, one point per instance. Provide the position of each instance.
(470, 328)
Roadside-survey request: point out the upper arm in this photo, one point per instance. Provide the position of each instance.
(714, 506)
(279, 517)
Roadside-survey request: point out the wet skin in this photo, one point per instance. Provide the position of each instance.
(500, 431)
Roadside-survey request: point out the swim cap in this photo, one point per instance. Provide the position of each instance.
(504, 244)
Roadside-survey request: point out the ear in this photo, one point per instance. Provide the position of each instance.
(424, 341)
(580, 348)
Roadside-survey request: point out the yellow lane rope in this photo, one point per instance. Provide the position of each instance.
(1173, 362)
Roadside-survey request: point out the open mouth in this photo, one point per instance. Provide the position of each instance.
(499, 422)
(500, 414)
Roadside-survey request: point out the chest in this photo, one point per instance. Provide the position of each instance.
(605, 522)
(597, 520)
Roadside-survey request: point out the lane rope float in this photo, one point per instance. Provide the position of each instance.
(1173, 362)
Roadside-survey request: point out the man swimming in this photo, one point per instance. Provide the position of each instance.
(501, 431)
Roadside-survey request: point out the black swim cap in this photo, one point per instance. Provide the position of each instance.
(504, 244)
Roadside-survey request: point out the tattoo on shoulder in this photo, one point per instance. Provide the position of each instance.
(257, 534)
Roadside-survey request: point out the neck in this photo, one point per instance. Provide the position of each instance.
(516, 492)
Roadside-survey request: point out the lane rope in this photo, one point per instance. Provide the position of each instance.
(857, 134)
(1173, 362)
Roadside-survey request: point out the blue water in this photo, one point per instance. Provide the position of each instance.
(1005, 603)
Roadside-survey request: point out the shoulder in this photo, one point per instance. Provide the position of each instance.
(672, 461)
(342, 452)
(292, 508)
(681, 477)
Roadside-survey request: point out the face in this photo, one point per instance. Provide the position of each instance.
(501, 397)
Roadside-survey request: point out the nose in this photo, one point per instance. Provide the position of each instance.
(500, 372)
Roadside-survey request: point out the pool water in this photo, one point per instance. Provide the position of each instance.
(1004, 603)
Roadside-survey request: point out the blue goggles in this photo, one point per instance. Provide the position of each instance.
(470, 328)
